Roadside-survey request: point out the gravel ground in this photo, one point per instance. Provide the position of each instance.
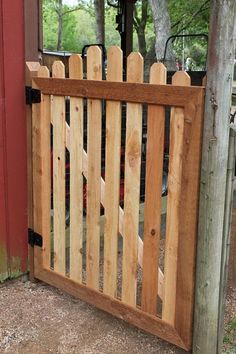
(229, 345)
(36, 318)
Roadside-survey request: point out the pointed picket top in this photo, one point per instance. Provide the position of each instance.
(43, 71)
(181, 78)
(135, 67)
(58, 69)
(158, 74)
(31, 70)
(76, 66)
(114, 64)
(94, 63)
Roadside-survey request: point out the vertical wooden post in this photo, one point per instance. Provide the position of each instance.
(33, 29)
(208, 307)
(31, 70)
(232, 255)
(226, 233)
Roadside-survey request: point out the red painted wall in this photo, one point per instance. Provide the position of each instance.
(13, 187)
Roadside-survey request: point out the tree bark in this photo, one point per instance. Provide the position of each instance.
(162, 25)
(211, 235)
(99, 8)
(60, 25)
(140, 25)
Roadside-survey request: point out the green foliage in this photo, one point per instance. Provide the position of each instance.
(50, 25)
(230, 336)
(149, 29)
(70, 33)
(194, 19)
(112, 36)
(85, 30)
(79, 27)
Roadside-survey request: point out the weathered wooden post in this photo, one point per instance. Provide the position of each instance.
(210, 249)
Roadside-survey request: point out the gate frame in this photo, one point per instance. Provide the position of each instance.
(181, 334)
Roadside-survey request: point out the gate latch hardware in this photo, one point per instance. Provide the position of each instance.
(32, 95)
(34, 239)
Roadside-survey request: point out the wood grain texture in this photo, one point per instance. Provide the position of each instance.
(180, 251)
(120, 91)
(209, 295)
(31, 70)
(45, 143)
(228, 225)
(153, 191)
(173, 204)
(94, 72)
(132, 185)
(121, 213)
(232, 257)
(112, 175)
(134, 316)
(188, 220)
(76, 173)
(37, 259)
(58, 118)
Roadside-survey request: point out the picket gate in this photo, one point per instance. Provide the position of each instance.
(132, 276)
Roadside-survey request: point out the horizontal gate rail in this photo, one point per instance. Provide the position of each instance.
(120, 269)
(135, 316)
(167, 95)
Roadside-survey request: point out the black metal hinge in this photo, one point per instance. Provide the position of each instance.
(34, 239)
(32, 95)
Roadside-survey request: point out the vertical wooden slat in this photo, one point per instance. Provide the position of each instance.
(45, 141)
(153, 191)
(31, 70)
(37, 182)
(76, 173)
(188, 219)
(112, 177)
(94, 72)
(132, 185)
(58, 119)
(173, 204)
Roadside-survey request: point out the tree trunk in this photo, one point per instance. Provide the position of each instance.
(213, 203)
(142, 41)
(140, 25)
(162, 27)
(100, 21)
(60, 25)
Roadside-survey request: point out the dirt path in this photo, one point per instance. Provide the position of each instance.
(36, 318)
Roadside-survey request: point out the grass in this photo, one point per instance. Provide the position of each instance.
(229, 342)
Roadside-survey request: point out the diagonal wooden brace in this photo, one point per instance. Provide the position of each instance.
(121, 214)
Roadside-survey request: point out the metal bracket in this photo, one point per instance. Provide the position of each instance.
(32, 95)
(34, 239)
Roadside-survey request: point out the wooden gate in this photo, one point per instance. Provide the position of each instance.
(141, 276)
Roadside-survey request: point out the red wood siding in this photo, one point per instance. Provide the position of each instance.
(13, 187)
(33, 29)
